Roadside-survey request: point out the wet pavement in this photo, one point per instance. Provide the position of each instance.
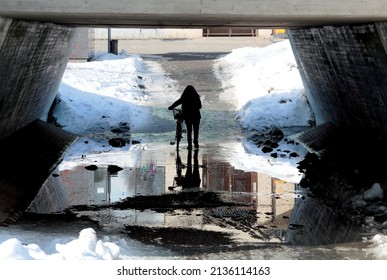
(214, 221)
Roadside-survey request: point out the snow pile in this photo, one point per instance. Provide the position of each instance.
(107, 91)
(379, 248)
(374, 193)
(268, 86)
(86, 247)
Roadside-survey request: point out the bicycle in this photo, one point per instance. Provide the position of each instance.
(178, 116)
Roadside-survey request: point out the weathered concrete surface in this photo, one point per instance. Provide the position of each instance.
(33, 57)
(313, 222)
(344, 70)
(198, 13)
(28, 156)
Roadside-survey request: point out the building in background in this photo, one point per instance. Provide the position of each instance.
(84, 45)
(172, 33)
(230, 32)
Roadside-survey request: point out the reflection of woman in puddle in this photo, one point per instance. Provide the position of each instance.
(192, 178)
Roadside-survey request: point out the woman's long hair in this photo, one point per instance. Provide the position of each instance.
(190, 93)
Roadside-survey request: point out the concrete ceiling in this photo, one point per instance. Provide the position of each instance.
(196, 13)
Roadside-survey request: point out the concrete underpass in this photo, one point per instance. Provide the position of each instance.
(340, 47)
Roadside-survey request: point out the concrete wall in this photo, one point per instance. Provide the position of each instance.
(314, 223)
(83, 46)
(33, 57)
(344, 69)
(166, 33)
(147, 33)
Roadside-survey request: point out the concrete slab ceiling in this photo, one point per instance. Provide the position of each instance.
(196, 13)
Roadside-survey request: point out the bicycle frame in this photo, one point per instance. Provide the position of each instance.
(178, 116)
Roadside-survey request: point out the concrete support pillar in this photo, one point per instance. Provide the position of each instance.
(344, 69)
(33, 57)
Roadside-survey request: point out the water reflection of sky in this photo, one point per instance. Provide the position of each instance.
(268, 201)
(149, 179)
(270, 209)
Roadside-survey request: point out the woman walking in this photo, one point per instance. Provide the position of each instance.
(191, 104)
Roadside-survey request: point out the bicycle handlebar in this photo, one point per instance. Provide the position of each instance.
(177, 113)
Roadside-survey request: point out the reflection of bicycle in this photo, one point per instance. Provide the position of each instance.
(179, 178)
(191, 179)
(178, 116)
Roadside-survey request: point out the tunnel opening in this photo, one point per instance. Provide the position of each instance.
(362, 210)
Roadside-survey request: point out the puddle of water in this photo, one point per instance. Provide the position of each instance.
(229, 210)
(253, 206)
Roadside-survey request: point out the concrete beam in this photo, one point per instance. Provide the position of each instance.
(196, 13)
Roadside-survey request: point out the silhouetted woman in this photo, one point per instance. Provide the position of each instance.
(191, 104)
